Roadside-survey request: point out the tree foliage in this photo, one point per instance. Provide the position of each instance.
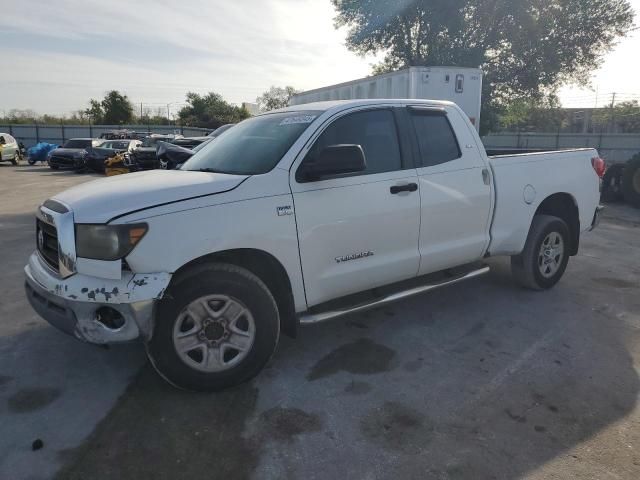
(534, 114)
(275, 97)
(117, 108)
(526, 48)
(114, 109)
(94, 111)
(210, 111)
(623, 117)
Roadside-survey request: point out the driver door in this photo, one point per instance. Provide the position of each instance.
(359, 231)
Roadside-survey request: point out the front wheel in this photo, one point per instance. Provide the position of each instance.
(545, 256)
(217, 327)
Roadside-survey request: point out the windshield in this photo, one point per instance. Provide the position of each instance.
(197, 148)
(253, 146)
(77, 143)
(220, 130)
(115, 144)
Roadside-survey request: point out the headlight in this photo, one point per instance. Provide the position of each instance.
(108, 242)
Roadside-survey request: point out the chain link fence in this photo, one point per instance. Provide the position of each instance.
(58, 134)
(613, 147)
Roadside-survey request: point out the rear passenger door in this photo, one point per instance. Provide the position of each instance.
(358, 231)
(455, 190)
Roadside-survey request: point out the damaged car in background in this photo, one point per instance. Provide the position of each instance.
(96, 157)
(172, 155)
(145, 156)
(73, 154)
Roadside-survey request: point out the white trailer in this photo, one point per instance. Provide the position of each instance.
(462, 86)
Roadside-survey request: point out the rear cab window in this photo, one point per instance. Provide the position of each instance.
(436, 139)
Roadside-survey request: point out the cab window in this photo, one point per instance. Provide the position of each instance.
(374, 130)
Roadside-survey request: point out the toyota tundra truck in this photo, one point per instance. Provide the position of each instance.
(298, 216)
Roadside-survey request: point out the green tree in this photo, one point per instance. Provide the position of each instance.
(210, 111)
(624, 115)
(526, 48)
(117, 108)
(94, 112)
(538, 115)
(275, 97)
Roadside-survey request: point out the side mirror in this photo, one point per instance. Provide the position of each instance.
(335, 160)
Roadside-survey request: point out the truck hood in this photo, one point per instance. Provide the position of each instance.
(101, 200)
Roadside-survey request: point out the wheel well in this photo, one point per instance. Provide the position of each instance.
(563, 205)
(268, 269)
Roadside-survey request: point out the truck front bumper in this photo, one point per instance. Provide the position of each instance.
(93, 309)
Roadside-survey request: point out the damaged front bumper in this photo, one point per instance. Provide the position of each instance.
(94, 309)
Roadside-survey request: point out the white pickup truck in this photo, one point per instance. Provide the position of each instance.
(296, 216)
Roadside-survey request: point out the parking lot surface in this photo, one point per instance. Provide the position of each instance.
(480, 380)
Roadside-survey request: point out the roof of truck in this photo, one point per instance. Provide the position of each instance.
(335, 104)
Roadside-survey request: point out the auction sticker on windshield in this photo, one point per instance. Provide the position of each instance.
(298, 119)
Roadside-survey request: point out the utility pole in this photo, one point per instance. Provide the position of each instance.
(168, 117)
(612, 113)
(140, 109)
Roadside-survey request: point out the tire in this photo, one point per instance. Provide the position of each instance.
(530, 269)
(612, 184)
(53, 167)
(14, 161)
(631, 182)
(207, 339)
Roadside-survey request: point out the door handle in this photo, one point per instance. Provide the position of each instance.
(409, 187)
(486, 178)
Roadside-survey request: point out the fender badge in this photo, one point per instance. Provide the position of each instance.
(285, 210)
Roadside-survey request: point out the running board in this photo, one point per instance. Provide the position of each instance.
(307, 318)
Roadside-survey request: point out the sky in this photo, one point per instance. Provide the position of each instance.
(57, 54)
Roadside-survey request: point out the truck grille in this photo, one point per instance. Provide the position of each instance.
(47, 243)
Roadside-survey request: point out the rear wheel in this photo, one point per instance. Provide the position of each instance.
(545, 256)
(217, 327)
(631, 182)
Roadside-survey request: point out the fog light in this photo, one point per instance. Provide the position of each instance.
(110, 318)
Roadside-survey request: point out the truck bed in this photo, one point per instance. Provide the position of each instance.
(523, 181)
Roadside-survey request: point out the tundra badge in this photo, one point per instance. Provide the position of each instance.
(354, 256)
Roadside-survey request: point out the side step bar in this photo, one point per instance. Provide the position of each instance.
(307, 318)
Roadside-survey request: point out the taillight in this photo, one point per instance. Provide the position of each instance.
(599, 166)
